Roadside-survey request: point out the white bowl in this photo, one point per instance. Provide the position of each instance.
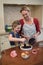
(21, 47)
(25, 56)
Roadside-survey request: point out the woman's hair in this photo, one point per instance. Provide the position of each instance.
(15, 23)
(24, 8)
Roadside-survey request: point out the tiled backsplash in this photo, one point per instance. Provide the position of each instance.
(5, 42)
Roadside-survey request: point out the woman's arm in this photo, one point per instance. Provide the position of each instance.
(35, 35)
(36, 22)
(37, 25)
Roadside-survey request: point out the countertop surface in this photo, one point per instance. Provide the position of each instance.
(4, 33)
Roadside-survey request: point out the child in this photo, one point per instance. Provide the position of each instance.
(14, 34)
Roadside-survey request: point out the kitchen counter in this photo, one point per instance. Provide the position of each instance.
(34, 59)
(4, 33)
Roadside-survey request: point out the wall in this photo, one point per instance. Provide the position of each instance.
(1, 17)
(38, 13)
(31, 2)
(12, 12)
(42, 16)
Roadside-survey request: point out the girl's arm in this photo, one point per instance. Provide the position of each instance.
(16, 39)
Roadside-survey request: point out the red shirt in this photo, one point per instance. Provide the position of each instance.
(36, 22)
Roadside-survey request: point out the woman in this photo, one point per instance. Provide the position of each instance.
(30, 26)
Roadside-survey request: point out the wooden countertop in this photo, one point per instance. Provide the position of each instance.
(34, 59)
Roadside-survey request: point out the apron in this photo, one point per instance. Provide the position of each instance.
(29, 29)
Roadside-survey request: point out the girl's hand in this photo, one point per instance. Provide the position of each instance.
(23, 40)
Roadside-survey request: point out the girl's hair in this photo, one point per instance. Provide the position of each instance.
(15, 23)
(24, 8)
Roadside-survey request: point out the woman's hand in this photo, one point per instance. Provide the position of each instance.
(27, 38)
(36, 35)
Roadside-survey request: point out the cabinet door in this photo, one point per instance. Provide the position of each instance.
(5, 43)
